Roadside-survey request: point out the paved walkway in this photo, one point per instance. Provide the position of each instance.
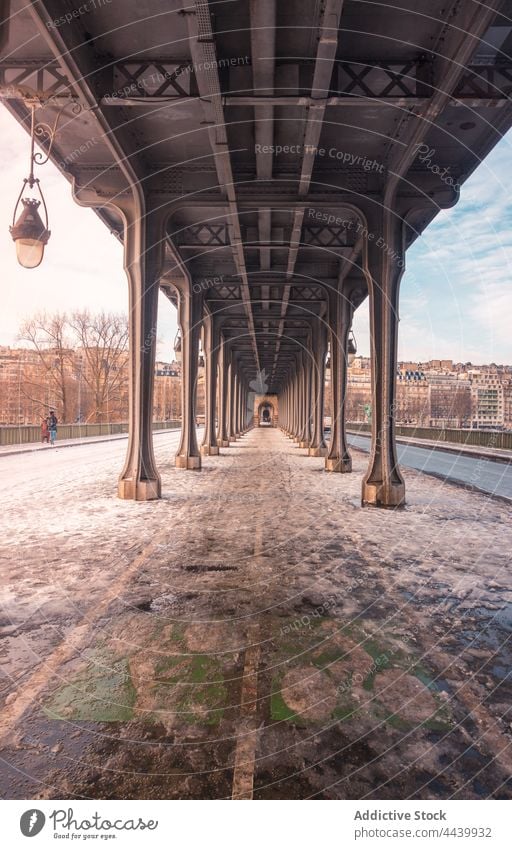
(255, 633)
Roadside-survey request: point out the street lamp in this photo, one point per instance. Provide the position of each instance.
(29, 232)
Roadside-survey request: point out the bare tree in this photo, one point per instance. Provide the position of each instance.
(103, 344)
(48, 335)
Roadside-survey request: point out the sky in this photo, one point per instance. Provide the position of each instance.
(456, 293)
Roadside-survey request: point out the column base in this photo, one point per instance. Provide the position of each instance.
(130, 490)
(381, 494)
(209, 450)
(337, 464)
(303, 444)
(223, 443)
(187, 462)
(318, 452)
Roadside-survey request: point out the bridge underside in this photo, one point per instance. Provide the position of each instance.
(266, 165)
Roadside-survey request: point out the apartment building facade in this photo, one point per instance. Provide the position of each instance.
(438, 393)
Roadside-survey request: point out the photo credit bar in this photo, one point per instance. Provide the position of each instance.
(301, 824)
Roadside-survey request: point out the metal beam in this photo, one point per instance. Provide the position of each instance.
(456, 43)
(173, 80)
(205, 61)
(324, 64)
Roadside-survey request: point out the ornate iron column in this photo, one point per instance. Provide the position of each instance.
(340, 312)
(211, 352)
(190, 310)
(232, 399)
(318, 447)
(383, 484)
(144, 237)
(305, 434)
(236, 403)
(296, 400)
(222, 431)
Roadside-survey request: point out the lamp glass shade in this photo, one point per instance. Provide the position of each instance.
(30, 235)
(351, 357)
(29, 252)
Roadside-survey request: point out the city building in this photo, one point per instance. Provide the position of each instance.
(438, 393)
(82, 385)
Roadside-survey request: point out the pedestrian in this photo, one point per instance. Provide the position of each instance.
(45, 431)
(52, 427)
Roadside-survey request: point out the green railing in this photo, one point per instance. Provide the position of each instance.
(483, 438)
(18, 435)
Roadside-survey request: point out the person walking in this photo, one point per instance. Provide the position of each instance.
(52, 427)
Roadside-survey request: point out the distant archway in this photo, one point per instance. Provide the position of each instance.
(266, 414)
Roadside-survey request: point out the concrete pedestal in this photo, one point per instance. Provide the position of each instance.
(184, 462)
(209, 450)
(139, 490)
(384, 494)
(335, 464)
(318, 452)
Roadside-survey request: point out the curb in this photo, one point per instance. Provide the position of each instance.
(449, 447)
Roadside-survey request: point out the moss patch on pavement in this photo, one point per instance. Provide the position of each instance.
(102, 692)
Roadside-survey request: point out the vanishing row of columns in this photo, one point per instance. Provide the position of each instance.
(228, 410)
(227, 413)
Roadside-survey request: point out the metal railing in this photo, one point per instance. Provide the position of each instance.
(19, 435)
(482, 438)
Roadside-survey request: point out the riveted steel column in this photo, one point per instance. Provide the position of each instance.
(232, 390)
(296, 405)
(298, 401)
(241, 426)
(190, 310)
(305, 435)
(318, 447)
(222, 431)
(340, 312)
(143, 260)
(211, 332)
(237, 404)
(383, 484)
